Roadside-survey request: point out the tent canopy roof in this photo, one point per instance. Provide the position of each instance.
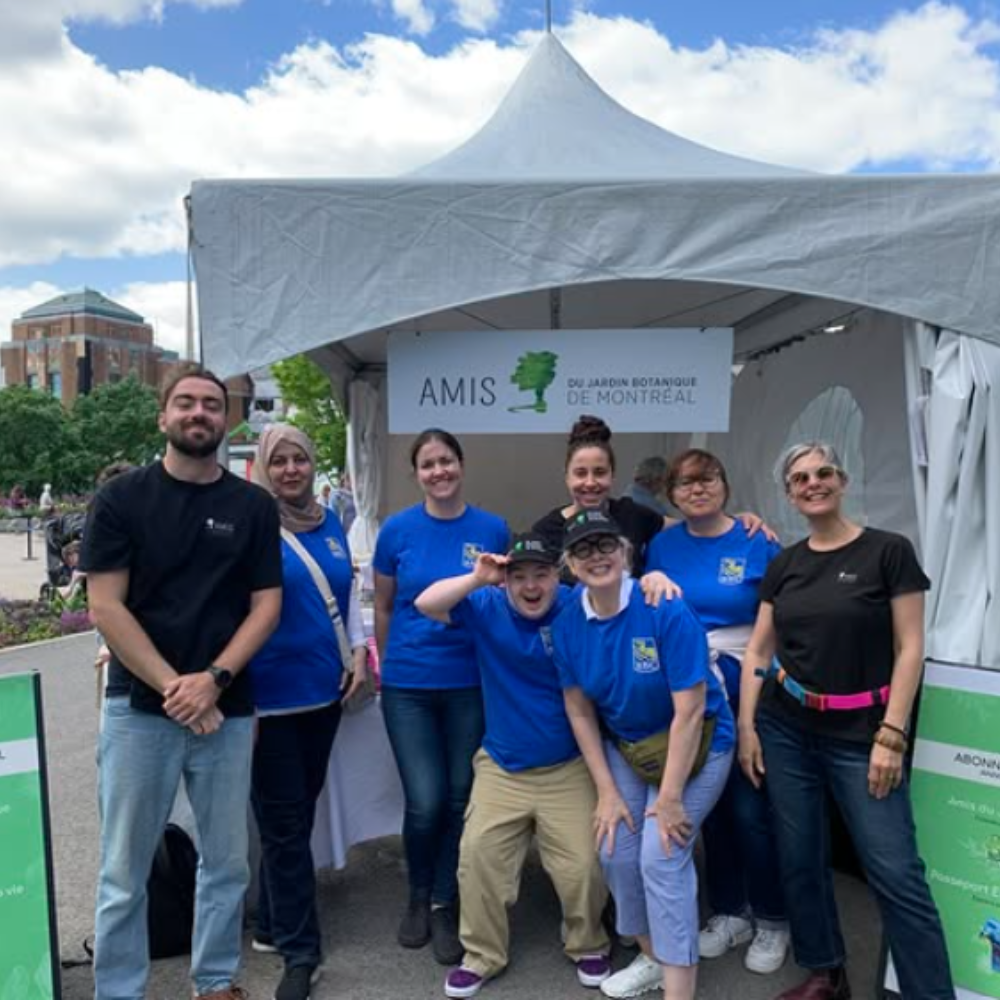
(565, 189)
(556, 123)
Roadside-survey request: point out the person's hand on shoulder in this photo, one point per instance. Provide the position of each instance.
(754, 523)
(657, 586)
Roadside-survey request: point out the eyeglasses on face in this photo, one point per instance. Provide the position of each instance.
(606, 544)
(824, 474)
(687, 483)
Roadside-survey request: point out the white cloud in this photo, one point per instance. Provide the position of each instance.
(164, 306)
(418, 17)
(33, 29)
(476, 15)
(96, 163)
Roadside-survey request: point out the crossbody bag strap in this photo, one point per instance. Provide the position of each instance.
(329, 598)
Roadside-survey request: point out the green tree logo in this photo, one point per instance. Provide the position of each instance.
(535, 372)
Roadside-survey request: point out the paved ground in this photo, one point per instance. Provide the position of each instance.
(359, 906)
(21, 577)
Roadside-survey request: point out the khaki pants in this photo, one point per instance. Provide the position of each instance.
(557, 805)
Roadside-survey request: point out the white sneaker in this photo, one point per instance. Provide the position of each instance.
(640, 977)
(722, 933)
(768, 951)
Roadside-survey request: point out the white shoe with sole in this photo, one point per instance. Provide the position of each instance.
(642, 976)
(768, 951)
(722, 933)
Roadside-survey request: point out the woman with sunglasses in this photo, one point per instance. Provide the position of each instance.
(590, 473)
(719, 568)
(636, 679)
(843, 611)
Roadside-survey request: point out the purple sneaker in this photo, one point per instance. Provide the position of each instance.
(592, 970)
(463, 982)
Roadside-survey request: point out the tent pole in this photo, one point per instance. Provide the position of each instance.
(548, 17)
(555, 308)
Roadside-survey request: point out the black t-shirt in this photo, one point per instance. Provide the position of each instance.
(639, 525)
(195, 553)
(833, 621)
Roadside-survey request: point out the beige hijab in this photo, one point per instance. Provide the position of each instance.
(307, 514)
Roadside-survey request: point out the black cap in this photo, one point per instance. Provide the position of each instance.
(532, 547)
(589, 524)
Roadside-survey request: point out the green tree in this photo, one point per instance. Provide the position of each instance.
(116, 422)
(306, 392)
(535, 372)
(33, 441)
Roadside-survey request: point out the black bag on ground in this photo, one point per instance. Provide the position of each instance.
(171, 894)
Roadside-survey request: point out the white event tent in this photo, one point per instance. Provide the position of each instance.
(866, 309)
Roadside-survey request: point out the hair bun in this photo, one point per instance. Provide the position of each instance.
(590, 429)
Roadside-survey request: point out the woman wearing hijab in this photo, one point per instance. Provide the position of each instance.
(300, 677)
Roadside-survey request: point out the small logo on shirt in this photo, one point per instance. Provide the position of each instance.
(645, 659)
(732, 570)
(220, 529)
(471, 551)
(844, 577)
(336, 549)
(545, 632)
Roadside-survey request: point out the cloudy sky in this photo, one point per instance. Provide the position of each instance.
(110, 108)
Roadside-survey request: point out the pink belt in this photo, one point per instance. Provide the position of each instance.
(825, 702)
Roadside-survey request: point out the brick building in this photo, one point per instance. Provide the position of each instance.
(75, 342)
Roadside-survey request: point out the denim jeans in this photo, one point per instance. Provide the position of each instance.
(741, 854)
(434, 735)
(290, 763)
(142, 759)
(801, 768)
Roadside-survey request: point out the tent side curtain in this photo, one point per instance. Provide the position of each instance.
(954, 396)
(366, 435)
(284, 267)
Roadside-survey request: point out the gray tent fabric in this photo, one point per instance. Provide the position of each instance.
(563, 188)
(578, 132)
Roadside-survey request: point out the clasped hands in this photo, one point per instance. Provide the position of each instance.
(190, 700)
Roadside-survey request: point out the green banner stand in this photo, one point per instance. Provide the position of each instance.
(29, 949)
(955, 790)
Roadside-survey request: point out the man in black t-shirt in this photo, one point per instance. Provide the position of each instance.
(184, 577)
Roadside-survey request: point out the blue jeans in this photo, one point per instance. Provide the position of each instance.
(801, 768)
(290, 762)
(142, 759)
(741, 855)
(434, 735)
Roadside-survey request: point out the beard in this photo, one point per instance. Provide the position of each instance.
(177, 438)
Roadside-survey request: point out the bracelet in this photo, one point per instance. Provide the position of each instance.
(891, 741)
(888, 725)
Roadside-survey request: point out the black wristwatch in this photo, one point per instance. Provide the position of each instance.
(222, 677)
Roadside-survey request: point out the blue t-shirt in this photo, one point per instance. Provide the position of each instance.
(299, 666)
(418, 550)
(720, 578)
(629, 664)
(526, 724)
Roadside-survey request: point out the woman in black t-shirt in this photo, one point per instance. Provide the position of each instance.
(590, 473)
(843, 612)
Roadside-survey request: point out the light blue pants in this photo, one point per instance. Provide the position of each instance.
(141, 760)
(656, 894)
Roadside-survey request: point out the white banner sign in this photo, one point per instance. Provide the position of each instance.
(540, 381)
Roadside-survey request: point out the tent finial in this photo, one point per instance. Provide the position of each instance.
(548, 17)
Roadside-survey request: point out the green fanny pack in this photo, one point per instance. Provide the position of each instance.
(648, 756)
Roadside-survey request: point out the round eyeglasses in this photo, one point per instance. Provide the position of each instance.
(606, 544)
